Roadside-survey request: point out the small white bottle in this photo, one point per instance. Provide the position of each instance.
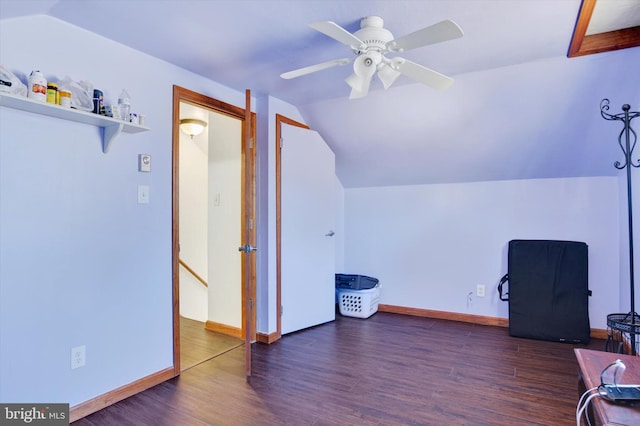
(37, 86)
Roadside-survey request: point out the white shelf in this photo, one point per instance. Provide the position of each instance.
(112, 127)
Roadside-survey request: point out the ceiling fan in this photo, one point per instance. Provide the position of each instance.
(370, 44)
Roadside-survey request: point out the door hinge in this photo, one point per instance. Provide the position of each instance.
(251, 143)
(281, 310)
(281, 142)
(250, 223)
(247, 248)
(251, 304)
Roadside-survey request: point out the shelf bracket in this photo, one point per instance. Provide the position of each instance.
(110, 132)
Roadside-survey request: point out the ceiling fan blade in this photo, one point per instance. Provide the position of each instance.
(313, 68)
(442, 31)
(422, 74)
(338, 33)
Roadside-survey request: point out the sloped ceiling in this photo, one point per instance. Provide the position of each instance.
(519, 108)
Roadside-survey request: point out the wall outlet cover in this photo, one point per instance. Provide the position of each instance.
(78, 357)
(480, 290)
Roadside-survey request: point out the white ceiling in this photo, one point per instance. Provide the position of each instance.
(519, 108)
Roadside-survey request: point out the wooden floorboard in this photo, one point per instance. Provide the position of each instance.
(389, 369)
(198, 344)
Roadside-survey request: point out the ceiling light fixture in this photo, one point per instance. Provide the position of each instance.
(371, 43)
(192, 126)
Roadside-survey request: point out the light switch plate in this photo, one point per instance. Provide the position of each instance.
(143, 194)
(144, 163)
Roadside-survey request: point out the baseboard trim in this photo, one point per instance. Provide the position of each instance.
(596, 333)
(450, 316)
(102, 401)
(224, 329)
(267, 338)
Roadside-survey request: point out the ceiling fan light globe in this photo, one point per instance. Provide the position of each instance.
(366, 64)
(359, 85)
(357, 94)
(356, 82)
(359, 67)
(387, 75)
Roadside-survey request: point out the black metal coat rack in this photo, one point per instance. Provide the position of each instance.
(625, 323)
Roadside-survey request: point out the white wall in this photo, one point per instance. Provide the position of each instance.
(194, 217)
(210, 219)
(225, 226)
(340, 231)
(625, 287)
(430, 245)
(81, 263)
(636, 230)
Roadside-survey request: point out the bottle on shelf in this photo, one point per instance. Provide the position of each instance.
(37, 86)
(124, 104)
(52, 93)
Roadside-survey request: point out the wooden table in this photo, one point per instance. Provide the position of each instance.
(607, 413)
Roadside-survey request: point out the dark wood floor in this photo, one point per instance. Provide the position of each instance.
(386, 370)
(198, 345)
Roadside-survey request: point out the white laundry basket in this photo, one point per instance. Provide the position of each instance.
(358, 303)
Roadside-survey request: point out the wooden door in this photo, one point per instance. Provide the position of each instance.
(248, 232)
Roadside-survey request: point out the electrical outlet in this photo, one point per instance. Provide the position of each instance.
(78, 357)
(480, 290)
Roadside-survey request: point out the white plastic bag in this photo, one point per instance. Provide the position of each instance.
(10, 83)
(81, 93)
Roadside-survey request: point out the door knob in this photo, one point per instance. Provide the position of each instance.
(330, 234)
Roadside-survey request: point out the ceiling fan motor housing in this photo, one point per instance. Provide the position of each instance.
(373, 34)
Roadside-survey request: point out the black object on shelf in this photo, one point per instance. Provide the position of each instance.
(620, 325)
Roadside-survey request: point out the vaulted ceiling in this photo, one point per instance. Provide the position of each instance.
(519, 107)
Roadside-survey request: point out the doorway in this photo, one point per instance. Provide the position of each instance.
(210, 205)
